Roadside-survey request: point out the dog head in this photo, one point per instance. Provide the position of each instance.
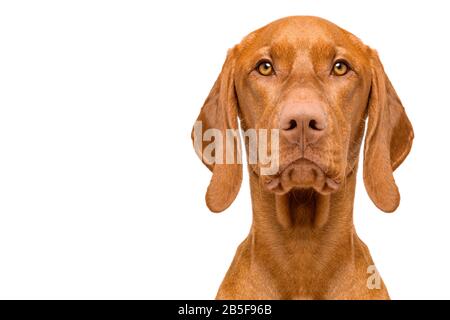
(311, 84)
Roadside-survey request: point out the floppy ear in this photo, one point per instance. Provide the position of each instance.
(217, 116)
(388, 139)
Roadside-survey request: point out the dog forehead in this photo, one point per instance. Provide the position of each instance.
(303, 38)
(297, 31)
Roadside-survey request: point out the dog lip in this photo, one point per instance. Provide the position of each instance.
(272, 183)
(298, 161)
(275, 183)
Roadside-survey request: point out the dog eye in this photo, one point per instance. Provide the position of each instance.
(265, 68)
(340, 68)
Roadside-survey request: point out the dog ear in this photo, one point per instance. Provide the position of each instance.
(388, 139)
(223, 155)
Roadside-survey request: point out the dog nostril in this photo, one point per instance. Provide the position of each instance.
(313, 125)
(292, 125)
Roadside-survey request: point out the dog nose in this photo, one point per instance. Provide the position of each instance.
(303, 123)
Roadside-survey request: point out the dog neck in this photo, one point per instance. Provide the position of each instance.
(303, 220)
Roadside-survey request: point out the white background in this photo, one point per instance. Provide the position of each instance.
(101, 193)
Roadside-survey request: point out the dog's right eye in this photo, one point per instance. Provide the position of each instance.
(340, 68)
(265, 68)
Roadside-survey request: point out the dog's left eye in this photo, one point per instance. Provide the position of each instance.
(340, 68)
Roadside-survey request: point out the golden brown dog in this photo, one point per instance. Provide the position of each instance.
(316, 84)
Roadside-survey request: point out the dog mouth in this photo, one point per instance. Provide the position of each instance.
(301, 174)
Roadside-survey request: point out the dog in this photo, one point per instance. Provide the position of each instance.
(315, 85)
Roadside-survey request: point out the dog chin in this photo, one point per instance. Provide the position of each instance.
(301, 174)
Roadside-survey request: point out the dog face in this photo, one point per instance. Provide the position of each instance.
(314, 83)
(311, 81)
